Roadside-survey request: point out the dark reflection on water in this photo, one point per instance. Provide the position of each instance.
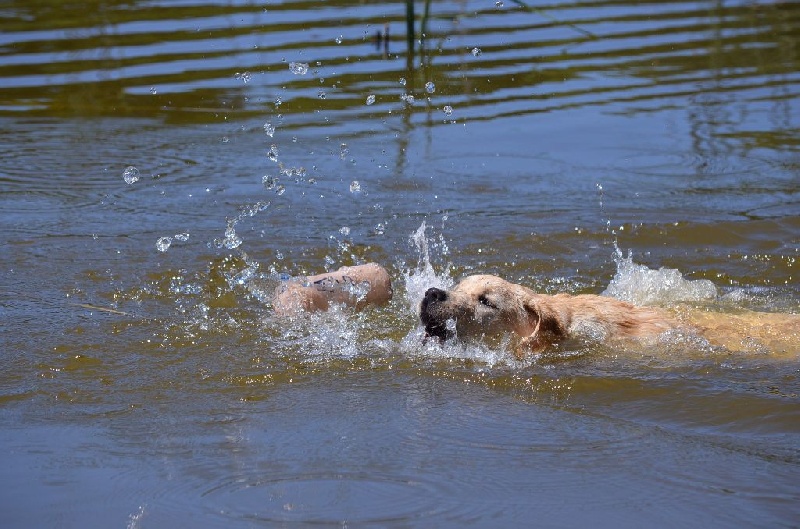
(142, 388)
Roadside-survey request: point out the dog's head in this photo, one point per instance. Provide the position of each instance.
(485, 305)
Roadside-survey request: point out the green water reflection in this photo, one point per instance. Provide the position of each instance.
(193, 62)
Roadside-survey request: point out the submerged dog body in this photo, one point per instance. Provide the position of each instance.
(353, 286)
(485, 305)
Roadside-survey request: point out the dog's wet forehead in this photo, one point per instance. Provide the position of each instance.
(481, 285)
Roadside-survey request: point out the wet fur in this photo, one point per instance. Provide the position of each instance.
(485, 305)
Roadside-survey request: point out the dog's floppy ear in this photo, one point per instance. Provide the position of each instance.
(546, 324)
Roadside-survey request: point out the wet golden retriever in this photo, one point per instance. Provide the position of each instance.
(485, 305)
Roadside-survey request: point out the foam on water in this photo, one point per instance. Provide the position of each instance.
(641, 285)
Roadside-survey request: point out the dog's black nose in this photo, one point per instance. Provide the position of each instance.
(435, 294)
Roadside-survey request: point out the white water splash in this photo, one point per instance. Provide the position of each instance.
(641, 285)
(298, 68)
(134, 519)
(130, 175)
(423, 276)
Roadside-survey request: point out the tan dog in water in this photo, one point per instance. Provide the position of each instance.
(353, 286)
(485, 305)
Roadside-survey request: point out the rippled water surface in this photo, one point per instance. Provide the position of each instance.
(165, 163)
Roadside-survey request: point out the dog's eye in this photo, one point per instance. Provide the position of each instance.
(483, 300)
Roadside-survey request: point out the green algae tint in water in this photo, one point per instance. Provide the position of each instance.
(166, 164)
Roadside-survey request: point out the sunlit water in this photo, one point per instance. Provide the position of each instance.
(167, 164)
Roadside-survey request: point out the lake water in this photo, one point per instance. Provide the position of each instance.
(165, 163)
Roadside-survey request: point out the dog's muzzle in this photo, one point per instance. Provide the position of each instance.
(434, 326)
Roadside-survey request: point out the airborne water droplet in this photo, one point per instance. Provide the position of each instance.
(447, 109)
(298, 68)
(243, 77)
(430, 87)
(370, 99)
(130, 175)
(269, 128)
(476, 52)
(355, 186)
(163, 243)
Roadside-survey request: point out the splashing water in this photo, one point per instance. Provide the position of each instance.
(419, 280)
(232, 240)
(163, 244)
(423, 276)
(272, 154)
(641, 285)
(130, 175)
(298, 68)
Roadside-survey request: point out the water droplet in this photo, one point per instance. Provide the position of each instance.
(281, 189)
(343, 151)
(278, 102)
(344, 230)
(243, 77)
(321, 94)
(182, 237)
(355, 187)
(269, 182)
(298, 68)
(430, 87)
(402, 81)
(153, 90)
(447, 109)
(163, 243)
(130, 175)
(476, 52)
(232, 242)
(380, 229)
(339, 39)
(269, 128)
(370, 99)
(272, 154)
(499, 3)
(408, 98)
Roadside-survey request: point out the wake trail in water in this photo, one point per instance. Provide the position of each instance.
(640, 285)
